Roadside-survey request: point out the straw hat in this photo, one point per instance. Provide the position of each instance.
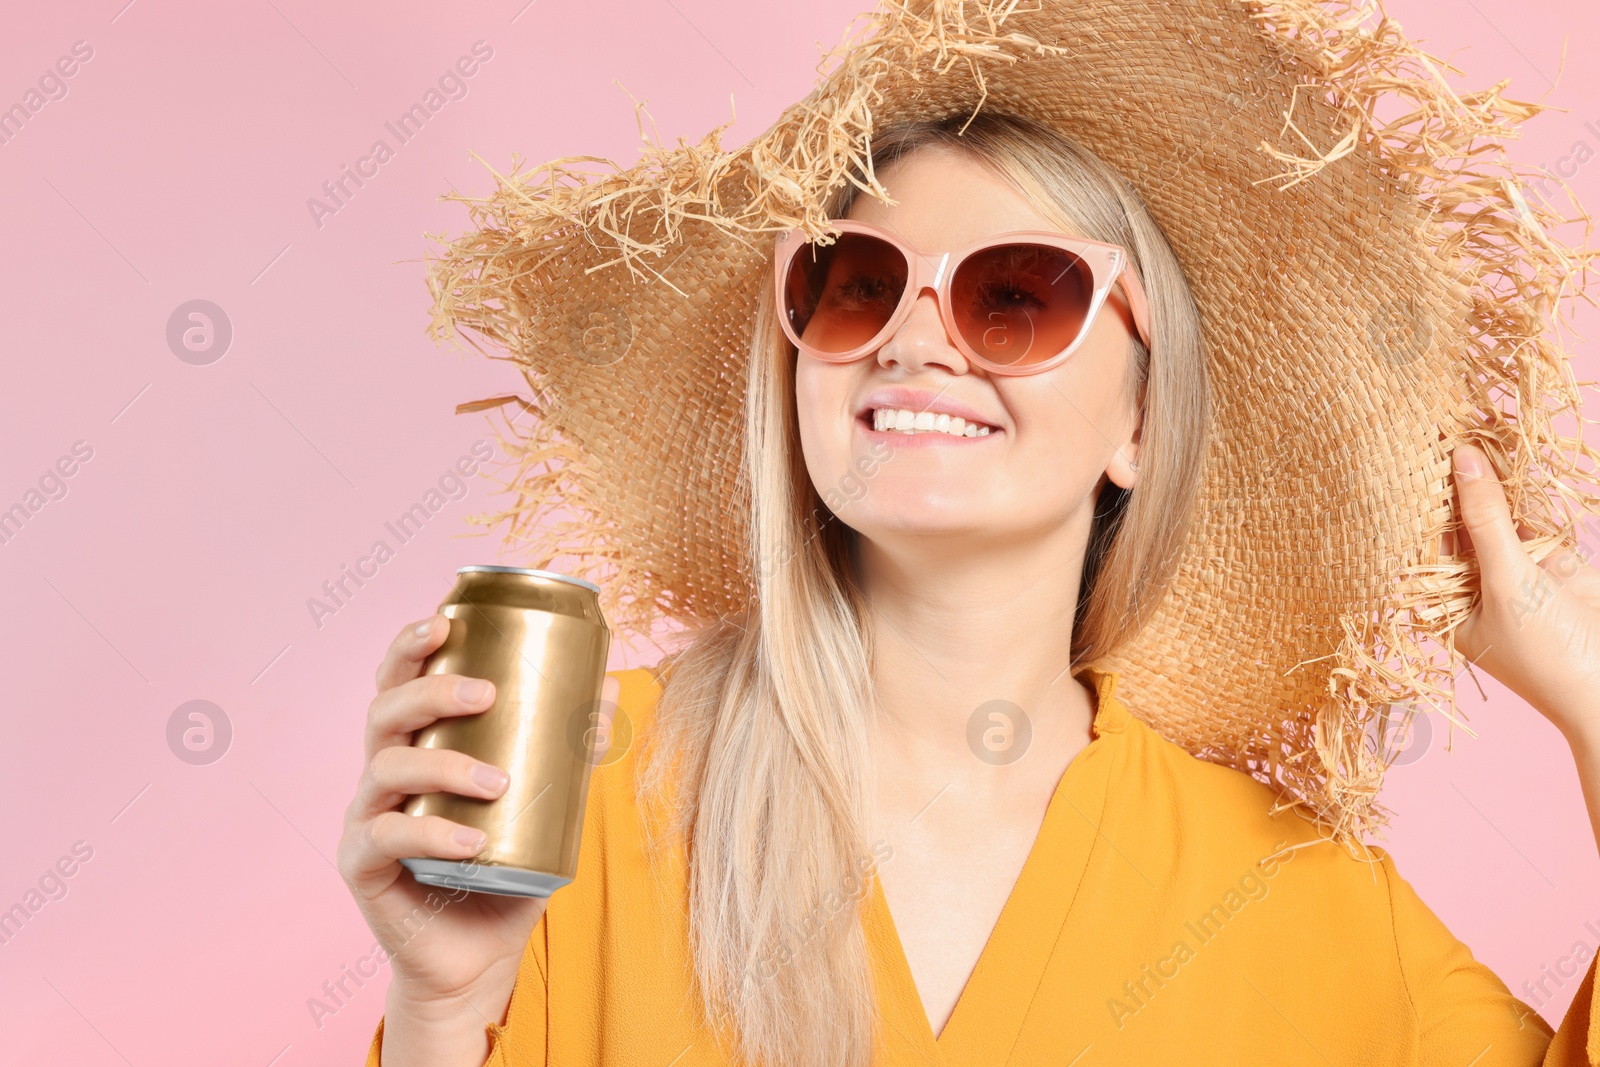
(1373, 283)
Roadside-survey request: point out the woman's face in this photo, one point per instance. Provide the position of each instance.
(1054, 435)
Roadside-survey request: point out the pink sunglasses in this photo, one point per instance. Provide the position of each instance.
(1015, 303)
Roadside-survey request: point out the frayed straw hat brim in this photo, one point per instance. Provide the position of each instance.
(1374, 284)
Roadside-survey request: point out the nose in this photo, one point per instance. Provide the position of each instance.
(923, 339)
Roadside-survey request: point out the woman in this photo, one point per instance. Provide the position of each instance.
(895, 728)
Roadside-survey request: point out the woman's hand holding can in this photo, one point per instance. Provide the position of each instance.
(453, 954)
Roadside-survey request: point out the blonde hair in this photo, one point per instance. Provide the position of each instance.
(759, 751)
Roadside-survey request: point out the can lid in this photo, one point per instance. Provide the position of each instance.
(524, 570)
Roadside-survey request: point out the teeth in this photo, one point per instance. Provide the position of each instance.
(903, 420)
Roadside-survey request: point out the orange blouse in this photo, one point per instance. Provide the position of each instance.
(1158, 919)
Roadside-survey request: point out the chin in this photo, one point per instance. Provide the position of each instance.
(924, 523)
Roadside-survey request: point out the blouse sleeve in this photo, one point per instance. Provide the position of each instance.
(1463, 1012)
(521, 1041)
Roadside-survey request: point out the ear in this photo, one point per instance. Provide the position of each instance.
(1122, 469)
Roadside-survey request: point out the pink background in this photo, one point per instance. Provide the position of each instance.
(219, 498)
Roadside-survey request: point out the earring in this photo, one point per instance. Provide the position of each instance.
(1133, 465)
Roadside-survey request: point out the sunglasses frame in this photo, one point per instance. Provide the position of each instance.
(1108, 265)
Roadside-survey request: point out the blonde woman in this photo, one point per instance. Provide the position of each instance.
(886, 817)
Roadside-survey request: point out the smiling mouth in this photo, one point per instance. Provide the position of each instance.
(906, 422)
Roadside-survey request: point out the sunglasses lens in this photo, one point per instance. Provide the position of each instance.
(1020, 304)
(837, 297)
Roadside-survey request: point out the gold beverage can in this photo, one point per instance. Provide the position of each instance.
(541, 639)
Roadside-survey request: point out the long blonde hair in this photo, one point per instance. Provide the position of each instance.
(759, 752)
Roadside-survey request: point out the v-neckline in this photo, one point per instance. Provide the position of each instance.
(990, 1010)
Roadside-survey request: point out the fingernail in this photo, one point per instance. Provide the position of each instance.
(490, 777)
(469, 838)
(1468, 462)
(425, 628)
(472, 690)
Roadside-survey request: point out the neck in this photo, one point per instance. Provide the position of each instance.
(955, 630)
